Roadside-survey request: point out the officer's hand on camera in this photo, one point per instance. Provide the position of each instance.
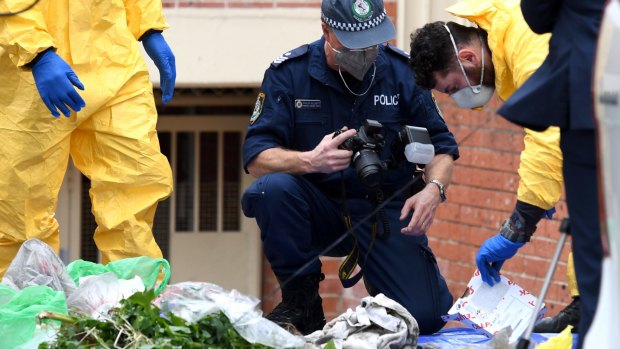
(423, 205)
(326, 157)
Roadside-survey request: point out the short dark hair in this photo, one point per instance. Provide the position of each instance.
(432, 50)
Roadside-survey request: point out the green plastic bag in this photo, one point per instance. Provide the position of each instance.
(146, 268)
(19, 309)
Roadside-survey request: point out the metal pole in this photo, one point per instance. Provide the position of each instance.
(524, 341)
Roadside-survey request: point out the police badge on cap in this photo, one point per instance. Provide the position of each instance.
(358, 23)
(362, 10)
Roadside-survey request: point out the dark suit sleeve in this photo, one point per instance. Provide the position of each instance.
(540, 15)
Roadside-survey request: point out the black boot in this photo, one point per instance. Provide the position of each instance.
(301, 308)
(567, 316)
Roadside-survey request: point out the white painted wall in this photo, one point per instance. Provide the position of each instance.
(233, 47)
(413, 14)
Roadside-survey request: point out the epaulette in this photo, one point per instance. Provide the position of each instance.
(397, 51)
(298, 52)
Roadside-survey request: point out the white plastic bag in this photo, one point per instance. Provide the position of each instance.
(36, 264)
(98, 294)
(192, 301)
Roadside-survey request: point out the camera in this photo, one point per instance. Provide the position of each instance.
(412, 144)
(366, 146)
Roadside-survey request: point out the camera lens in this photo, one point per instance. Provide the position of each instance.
(369, 168)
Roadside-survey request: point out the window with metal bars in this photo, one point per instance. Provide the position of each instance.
(207, 181)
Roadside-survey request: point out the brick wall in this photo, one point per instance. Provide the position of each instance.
(480, 198)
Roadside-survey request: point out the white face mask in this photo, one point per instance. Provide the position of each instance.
(472, 96)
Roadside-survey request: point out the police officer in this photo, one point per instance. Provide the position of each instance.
(306, 184)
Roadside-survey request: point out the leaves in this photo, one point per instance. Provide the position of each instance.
(330, 345)
(138, 323)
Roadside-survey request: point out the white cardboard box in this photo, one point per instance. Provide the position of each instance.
(489, 309)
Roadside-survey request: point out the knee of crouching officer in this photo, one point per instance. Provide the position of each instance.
(431, 322)
(268, 190)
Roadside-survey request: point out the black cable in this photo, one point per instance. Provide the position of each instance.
(384, 219)
(346, 234)
(7, 14)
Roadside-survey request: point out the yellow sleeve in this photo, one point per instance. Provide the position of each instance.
(144, 15)
(540, 168)
(24, 35)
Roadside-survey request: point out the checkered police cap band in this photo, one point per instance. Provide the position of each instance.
(354, 27)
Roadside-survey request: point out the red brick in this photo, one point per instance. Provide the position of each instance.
(330, 265)
(503, 140)
(292, 4)
(482, 197)
(482, 178)
(461, 214)
(330, 286)
(488, 158)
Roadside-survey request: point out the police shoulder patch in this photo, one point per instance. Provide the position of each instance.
(258, 107)
(396, 50)
(298, 52)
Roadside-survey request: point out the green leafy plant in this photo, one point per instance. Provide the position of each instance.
(138, 323)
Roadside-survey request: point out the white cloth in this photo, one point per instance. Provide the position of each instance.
(378, 322)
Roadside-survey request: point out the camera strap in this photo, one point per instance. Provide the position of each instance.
(345, 272)
(344, 236)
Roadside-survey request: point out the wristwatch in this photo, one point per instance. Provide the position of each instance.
(442, 189)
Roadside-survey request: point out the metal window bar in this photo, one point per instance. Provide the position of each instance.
(208, 185)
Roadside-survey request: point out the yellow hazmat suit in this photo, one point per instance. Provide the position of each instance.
(112, 140)
(517, 53)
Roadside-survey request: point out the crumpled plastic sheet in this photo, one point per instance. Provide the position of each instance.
(36, 264)
(459, 338)
(45, 332)
(97, 294)
(192, 301)
(465, 338)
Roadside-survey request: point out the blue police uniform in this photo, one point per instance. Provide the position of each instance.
(301, 101)
(559, 94)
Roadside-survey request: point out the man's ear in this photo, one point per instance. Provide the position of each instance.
(325, 29)
(467, 56)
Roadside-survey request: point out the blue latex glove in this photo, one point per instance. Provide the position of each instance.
(157, 48)
(55, 80)
(492, 255)
(549, 213)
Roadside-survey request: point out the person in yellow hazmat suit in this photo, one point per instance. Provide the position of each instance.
(82, 59)
(470, 64)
